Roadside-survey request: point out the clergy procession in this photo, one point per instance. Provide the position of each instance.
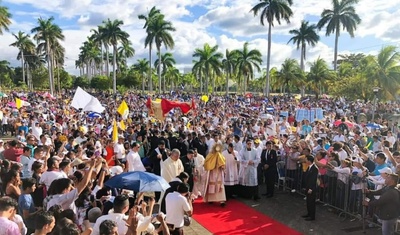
(91, 163)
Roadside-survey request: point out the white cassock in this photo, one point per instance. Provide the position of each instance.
(133, 162)
(231, 167)
(247, 172)
(198, 184)
(171, 169)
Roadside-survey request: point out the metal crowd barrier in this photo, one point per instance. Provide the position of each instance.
(333, 193)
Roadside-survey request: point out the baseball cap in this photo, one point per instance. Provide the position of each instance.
(385, 170)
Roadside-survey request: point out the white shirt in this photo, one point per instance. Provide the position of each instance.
(237, 146)
(342, 155)
(79, 140)
(26, 166)
(119, 151)
(116, 217)
(391, 140)
(49, 176)
(133, 162)
(66, 201)
(176, 205)
(339, 138)
(210, 143)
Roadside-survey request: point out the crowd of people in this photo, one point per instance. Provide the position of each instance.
(58, 159)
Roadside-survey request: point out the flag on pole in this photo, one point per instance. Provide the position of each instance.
(21, 103)
(123, 109)
(115, 132)
(160, 109)
(18, 103)
(122, 125)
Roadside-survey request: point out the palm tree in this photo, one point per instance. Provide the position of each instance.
(272, 10)
(5, 17)
(113, 34)
(306, 34)
(209, 62)
(228, 64)
(167, 61)
(384, 70)
(58, 60)
(173, 75)
(23, 43)
(126, 51)
(46, 34)
(96, 37)
(152, 16)
(342, 15)
(246, 61)
(91, 56)
(290, 74)
(319, 74)
(142, 67)
(161, 30)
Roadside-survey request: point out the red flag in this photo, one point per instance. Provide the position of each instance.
(160, 109)
(167, 105)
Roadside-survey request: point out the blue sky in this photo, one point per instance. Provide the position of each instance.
(227, 23)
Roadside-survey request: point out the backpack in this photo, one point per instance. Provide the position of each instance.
(355, 179)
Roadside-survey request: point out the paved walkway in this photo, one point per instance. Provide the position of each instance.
(287, 209)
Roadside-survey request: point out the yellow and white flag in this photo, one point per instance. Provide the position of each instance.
(21, 103)
(115, 132)
(123, 109)
(122, 125)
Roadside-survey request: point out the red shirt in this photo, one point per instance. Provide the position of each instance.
(13, 154)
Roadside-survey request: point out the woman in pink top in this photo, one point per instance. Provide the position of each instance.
(321, 161)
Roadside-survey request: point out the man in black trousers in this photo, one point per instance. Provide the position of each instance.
(311, 188)
(269, 159)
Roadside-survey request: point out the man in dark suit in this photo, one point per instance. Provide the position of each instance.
(269, 159)
(311, 188)
(388, 203)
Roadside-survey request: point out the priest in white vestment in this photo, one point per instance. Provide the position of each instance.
(231, 171)
(172, 166)
(249, 161)
(199, 174)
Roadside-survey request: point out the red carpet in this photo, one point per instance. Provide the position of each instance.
(237, 218)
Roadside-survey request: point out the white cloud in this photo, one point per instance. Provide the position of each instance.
(228, 23)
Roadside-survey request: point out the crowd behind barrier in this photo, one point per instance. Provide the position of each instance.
(224, 147)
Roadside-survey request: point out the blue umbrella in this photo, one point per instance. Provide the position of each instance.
(374, 126)
(94, 115)
(138, 181)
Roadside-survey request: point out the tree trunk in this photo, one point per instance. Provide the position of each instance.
(23, 66)
(159, 69)
(58, 79)
(206, 80)
(227, 83)
(336, 49)
(142, 83)
(49, 68)
(102, 59)
(150, 77)
(201, 83)
(302, 67)
(107, 60)
(268, 58)
(88, 70)
(114, 71)
(213, 83)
